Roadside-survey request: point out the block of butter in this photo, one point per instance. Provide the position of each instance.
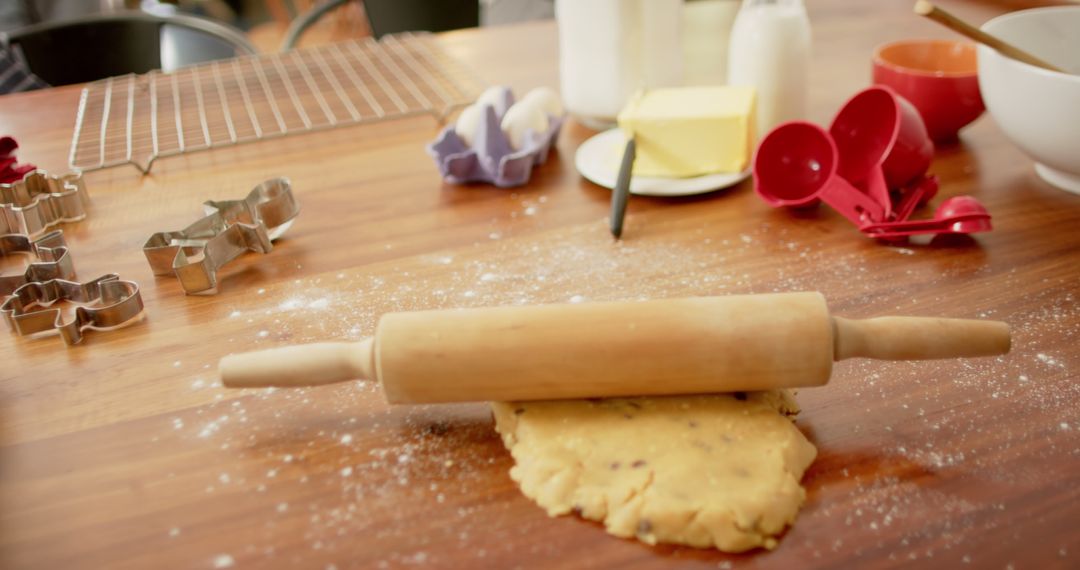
(690, 131)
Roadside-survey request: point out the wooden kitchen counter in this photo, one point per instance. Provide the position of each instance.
(125, 452)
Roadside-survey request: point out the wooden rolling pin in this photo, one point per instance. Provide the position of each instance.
(673, 346)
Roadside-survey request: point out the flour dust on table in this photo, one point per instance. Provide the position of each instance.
(717, 471)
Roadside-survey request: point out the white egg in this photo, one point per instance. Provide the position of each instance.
(493, 96)
(468, 123)
(521, 117)
(546, 99)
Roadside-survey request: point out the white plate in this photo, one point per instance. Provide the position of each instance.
(597, 160)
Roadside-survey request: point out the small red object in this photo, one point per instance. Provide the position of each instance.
(914, 195)
(957, 215)
(797, 164)
(10, 170)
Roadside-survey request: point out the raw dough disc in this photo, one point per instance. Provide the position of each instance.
(705, 471)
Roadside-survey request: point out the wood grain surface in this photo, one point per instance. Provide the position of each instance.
(125, 452)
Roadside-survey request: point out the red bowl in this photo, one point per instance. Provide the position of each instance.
(939, 77)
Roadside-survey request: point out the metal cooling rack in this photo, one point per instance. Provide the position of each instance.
(136, 119)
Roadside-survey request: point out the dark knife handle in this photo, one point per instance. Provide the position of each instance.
(620, 194)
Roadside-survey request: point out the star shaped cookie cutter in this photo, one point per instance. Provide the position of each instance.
(51, 252)
(40, 201)
(119, 303)
(230, 229)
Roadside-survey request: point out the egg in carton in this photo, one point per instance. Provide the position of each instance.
(496, 141)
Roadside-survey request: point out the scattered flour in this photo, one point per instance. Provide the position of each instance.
(373, 470)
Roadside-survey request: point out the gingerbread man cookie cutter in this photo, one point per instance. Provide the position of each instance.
(40, 201)
(118, 303)
(54, 262)
(231, 228)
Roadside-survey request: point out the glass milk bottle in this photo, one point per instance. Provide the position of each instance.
(770, 50)
(609, 49)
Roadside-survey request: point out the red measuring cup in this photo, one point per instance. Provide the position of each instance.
(879, 128)
(797, 165)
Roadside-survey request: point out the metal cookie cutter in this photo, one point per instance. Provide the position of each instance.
(38, 201)
(230, 229)
(53, 260)
(119, 302)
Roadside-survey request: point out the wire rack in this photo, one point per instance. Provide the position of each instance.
(137, 119)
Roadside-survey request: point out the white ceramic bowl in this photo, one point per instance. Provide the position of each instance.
(1039, 110)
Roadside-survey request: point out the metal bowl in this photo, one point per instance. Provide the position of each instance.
(107, 45)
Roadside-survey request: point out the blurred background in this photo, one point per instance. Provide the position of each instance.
(266, 20)
(61, 42)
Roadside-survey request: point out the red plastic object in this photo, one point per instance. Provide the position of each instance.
(957, 215)
(874, 186)
(914, 195)
(939, 77)
(797, 165)
(10, 171)
(877, 142)
(877, 127)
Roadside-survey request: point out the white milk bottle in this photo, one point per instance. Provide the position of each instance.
(770, 50)
(609, 49)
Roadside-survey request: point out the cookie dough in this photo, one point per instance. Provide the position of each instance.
(707, 471)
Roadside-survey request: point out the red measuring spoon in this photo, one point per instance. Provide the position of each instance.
(957, 215)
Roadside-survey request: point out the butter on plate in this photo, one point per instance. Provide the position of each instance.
(690, 131)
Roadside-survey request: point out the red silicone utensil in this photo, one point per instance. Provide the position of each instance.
(957, 215)
(796, 165)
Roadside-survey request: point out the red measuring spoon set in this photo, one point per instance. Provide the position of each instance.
(870, 166)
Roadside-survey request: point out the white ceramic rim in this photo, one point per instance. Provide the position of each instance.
(986, 27)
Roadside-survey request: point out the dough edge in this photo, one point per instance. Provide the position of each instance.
(555, 475)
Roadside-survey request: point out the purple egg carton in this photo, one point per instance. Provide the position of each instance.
(491, 159)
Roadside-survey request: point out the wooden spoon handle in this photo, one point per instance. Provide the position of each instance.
(300, 365)
(918, 338)
(929, 10)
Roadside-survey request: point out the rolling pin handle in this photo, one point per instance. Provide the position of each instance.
(301, 365)
(918, 338)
